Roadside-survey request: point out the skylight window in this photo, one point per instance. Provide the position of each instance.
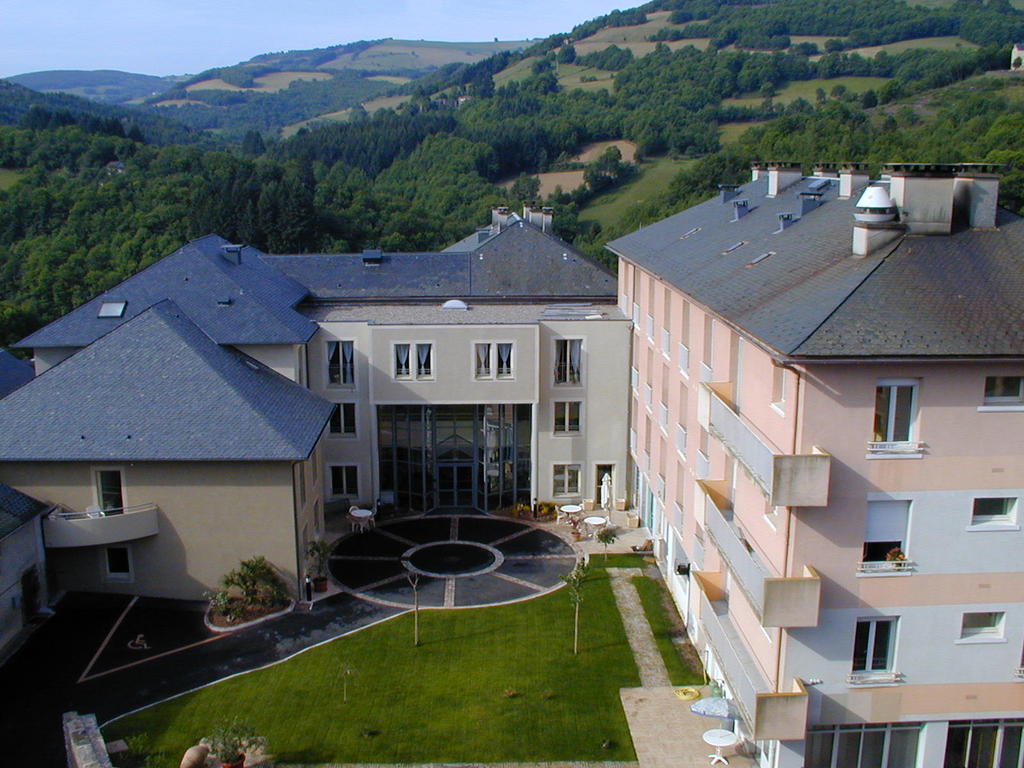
(693, 231)
(733, 247)
(759, 259)
(112, 309)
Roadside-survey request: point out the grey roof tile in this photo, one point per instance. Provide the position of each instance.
(16, 509)
(812, 297)
(156, 388)
(13, 373)
(520, 261)
(198, 278)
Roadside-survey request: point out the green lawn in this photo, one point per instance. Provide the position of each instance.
(665, 621)
(654, 177)
(729, 133)
(487, 685)
(9, 176)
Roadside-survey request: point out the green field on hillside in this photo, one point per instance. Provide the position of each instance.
(807, 89)
(9, 176)
(729, 133)
(654, 177)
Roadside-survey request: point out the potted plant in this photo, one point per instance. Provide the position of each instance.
(317, 552)
(895, 555)
(231, 740)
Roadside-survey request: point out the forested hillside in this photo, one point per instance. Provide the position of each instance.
(87, 197)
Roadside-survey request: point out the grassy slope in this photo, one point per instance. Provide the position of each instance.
(806, 89)
(9, 176)
(654, 177)
(444, 701)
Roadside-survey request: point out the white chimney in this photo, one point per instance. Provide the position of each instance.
(540, 217)
(826, 170)
(500, 215)
(782, 175)
(852, 176)
(757, 170)
(976, 195)
(923, 192)
(876, 222)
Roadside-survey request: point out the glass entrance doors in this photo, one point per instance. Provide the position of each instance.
(475, 455)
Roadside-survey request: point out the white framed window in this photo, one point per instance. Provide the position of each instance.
(985, 743)
(503, 365)
(343, 419)
(778, 387)
(345, 480)
(663, 416)
(650, 327)
(994, 511)
(567, 417)
(874, 644)
(875, 745)
(684, 360)
(482, 365)
(568, 361)
(341, 363)
(666, 342)
(109, 488)
(402, 362)
(1004, 389)
(117, 563)
(632, 441)
(681, 441)
(636, 315)
(648, 396)
(982, 626)
(634, 378)
(894, 428)
(566, 480)
(424, 361)
(885, 535)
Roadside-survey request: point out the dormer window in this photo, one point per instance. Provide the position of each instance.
(112, 309)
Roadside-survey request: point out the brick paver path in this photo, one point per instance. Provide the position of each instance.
(648, 658)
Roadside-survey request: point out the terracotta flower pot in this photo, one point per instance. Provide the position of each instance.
(319, 583)
(238, 762)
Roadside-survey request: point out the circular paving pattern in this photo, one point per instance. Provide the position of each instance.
(453, 560)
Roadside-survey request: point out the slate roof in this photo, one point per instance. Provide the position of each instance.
(13, 372)
(520, 261)
(16, 509)
(156, 388)
(921, 296)
(201, 281)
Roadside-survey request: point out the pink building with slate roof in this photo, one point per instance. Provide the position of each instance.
(827, 432)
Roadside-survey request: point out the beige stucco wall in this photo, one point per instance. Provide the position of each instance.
(212, 515)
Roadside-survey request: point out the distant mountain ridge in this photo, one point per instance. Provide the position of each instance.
(109, 86)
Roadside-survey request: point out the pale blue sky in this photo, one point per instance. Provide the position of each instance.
(171, 37)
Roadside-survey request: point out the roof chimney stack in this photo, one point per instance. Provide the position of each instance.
(976, 195)
(540, 217)
(782, 175)
(500, 215)
(728, 192)
(826, 170)
(232, 252)
(757, 170)
(876, 222)
(740, 208)
(852, 176)
(923, 192)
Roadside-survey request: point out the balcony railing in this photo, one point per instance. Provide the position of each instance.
(879, 677)
(911, 447)
(788, 480)
(96, 527)
(779, 602)
(1019, 673)
(769, 714)
(887, 566)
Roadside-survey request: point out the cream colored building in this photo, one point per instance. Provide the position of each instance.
(223, 402)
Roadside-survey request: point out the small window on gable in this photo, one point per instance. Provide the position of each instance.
(112, 309)
(986, 625)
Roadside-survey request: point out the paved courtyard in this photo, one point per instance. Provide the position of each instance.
(454, 561)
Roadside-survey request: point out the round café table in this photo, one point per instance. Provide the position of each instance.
(362, 518)
(595, 523)
(719, 738)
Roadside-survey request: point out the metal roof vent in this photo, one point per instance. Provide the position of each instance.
(372, 257)
(728, 192)
(875, 205)
(740, 208)
(232, 252)
(455, 304)
(785, 220)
